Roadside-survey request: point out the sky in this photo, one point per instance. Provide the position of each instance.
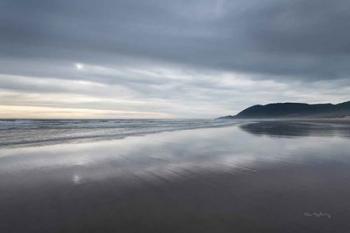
(169, 59)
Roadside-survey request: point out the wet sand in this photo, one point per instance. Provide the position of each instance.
(259, 177)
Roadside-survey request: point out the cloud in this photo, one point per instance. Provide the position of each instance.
(157, 91)
(180, 58)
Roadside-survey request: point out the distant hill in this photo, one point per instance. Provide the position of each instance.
(294, 110)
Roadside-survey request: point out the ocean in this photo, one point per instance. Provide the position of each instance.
(43, 132)
(174, 176)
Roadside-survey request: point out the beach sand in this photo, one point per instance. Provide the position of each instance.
(259, 177)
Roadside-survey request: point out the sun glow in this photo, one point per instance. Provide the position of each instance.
(79, 66)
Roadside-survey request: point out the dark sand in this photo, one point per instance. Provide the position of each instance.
(260, 177)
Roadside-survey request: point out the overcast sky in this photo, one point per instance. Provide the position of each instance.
(166, 58)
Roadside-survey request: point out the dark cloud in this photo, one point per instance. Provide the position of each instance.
(304, 43)
(308, 38)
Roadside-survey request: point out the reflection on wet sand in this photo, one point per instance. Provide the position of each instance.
(206, 180)
(297, 128)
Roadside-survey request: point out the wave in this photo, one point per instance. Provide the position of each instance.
(14, 133)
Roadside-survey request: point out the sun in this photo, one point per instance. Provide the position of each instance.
(79, 66)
